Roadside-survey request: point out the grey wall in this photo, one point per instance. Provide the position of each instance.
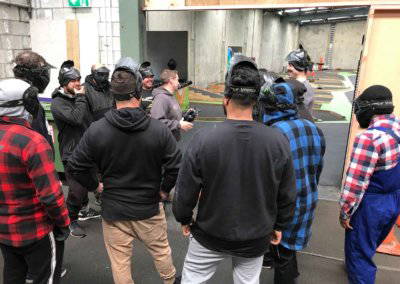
(346, 44)
(315, 39)
(161, 46)
(14, 35)
(267, 38)
(279, 37)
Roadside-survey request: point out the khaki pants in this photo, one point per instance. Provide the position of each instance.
(118, 238)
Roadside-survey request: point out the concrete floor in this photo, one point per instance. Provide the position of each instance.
(87, 261)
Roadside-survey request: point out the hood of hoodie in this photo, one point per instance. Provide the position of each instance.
(10, 90)
(128, 119)
(59, 92)
(161, 90)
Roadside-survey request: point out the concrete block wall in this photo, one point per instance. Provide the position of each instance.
(265, 37)
(346, 43)
(104, 12)
(14, 34)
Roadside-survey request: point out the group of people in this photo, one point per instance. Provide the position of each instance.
(253, 178)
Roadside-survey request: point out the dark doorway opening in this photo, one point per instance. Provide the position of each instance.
(162, 46)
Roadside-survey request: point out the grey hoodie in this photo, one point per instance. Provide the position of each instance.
(166, 109)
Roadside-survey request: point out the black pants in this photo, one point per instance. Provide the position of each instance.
(285, 264)
(77, 197)
(42, 260)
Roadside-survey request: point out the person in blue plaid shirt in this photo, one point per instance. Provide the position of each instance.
(307, 145)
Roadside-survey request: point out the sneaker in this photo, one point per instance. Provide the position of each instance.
(89, 214)
(178, 280)
(63, 272)
(77, 230)
(30, 281)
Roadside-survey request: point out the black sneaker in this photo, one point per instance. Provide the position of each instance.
(89, 214)
(77, 230)
(63, 272)
(178, 280)
(30, 281)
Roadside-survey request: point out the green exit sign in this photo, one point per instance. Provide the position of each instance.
(79, 3)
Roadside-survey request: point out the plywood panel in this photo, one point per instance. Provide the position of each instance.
(202, 2)
(73, 49)
(380, 60)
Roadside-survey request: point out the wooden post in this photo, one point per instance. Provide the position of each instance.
(380, 62)
(73, 48)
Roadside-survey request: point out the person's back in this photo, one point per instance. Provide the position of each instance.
(307, 144)
(240, 173)
(33, 216)
(139, 161)
(19, 143)
(132, 180)
(242, 164)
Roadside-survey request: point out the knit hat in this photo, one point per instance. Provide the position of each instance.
(123, 85)
(376, 93)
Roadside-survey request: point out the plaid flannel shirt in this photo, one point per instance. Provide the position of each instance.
(31, 199)
(307, 144)
(373, 150)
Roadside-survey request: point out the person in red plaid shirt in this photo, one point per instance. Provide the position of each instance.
(370, 201)
(33, 216)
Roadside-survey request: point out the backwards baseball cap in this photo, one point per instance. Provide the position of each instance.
(240, 85)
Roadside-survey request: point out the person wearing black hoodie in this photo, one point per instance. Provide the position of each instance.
(139, 161)
(97, 89)
(72, 118)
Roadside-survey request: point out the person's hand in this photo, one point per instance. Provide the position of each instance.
(100, 188)
(345, 223)
(185, 126)
(276, 237)
(164, 196)
(186, 230)
(80, 91)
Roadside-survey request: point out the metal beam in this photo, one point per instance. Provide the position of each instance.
(130, 29)
(334, 21)
(325, 14)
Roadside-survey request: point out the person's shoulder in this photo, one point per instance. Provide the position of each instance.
(24, 136)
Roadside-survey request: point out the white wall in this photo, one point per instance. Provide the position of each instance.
(104, 14)
(51, 43)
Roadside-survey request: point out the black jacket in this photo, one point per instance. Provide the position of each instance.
(39, 125)
(130, 149)
(99, 99)
(72, 118)
(244, 173)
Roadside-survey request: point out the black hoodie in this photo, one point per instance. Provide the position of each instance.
(72, 118)
(129, 149)
(99, 99)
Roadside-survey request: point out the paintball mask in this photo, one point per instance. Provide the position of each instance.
(129, 65)
(236, 91)
(68, 73)
(100, 76)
